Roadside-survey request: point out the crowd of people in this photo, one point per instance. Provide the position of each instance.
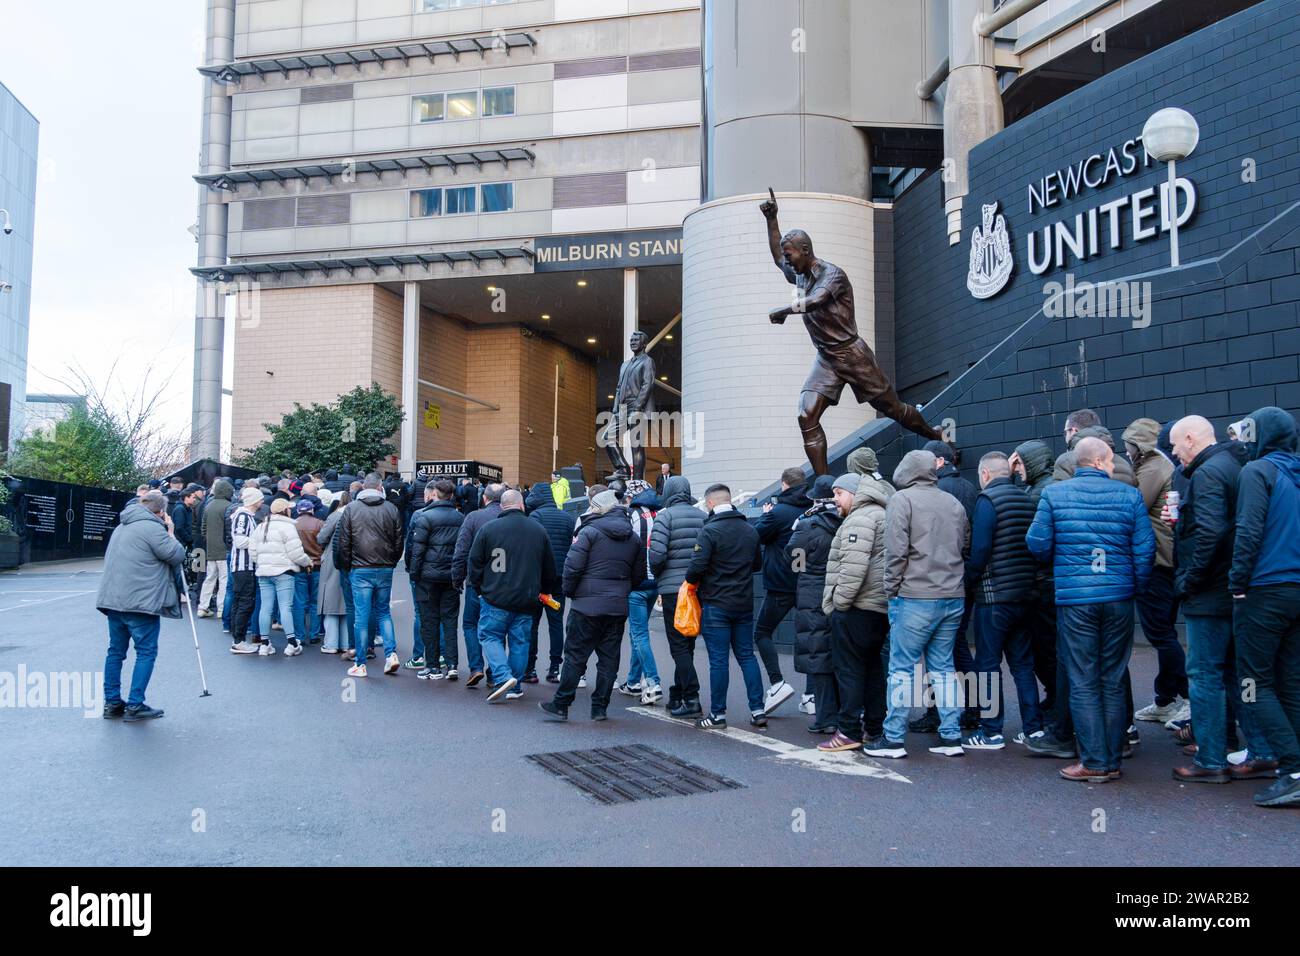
(1050, 560)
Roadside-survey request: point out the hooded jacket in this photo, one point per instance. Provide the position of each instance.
(1096, 531)
(1154, 475)
(559, 524)
(774, 528)
(855, 571)
(465, 540)
(949, 479)
(605, 563)
(926, 532)
(1204, 532)
(277, 548)
(432, 541)
(1267, 546)
(727, 554)
(1067, 462)
(370, 535)
(528, 569)
(1037, 457)
(809, 548)
(672, 540)
(214, 520)
(141, 567)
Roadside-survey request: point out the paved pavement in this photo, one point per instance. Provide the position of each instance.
(277, 767)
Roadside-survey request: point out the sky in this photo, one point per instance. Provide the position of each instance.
(117, 93)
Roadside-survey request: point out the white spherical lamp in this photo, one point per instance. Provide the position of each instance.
(1171, 134)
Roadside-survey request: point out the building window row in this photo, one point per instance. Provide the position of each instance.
(462, 200)
(437, 6)
(467, 104)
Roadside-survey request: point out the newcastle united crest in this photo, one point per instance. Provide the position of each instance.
(990, 255)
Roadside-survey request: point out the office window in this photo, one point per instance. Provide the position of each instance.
(460, 199)
(499, 101)
(498, 197)
(435, 6)
(427, 108)
(426, 203)
(462, 105)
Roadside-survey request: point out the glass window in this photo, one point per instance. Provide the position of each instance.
(426, 203)
(462, 105)
(460, 199)
(498, 197)
(432, 6)
(427, 108)
(499, 101)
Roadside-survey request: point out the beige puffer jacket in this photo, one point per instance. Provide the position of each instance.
(855, 570)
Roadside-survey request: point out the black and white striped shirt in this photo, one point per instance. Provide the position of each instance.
(242, 525)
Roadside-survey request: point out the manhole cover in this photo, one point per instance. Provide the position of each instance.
(634, 772)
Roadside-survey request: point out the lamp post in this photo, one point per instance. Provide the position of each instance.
(1169, 135)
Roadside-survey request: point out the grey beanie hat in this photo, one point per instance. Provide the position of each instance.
(848, 482)
(604, 501)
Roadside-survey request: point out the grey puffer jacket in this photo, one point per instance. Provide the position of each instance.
(140, 567)
(926, 535)
(855, 571)
(1067, 462)
(672, 539)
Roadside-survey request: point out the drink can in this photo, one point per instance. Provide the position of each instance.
(1172, 500)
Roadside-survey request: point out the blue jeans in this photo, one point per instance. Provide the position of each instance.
(1003, 629)
(496, 627)
(469, 626)
(306, 586)
(141, 630)
(417, 642)
(229, 599)
(641, 667)
(1215, 693)
(372, 589)
(726, 632)
(336, 638)
(349, 603)
(1157, 609)
(922, 629)
(1096, 640)
(276, 591)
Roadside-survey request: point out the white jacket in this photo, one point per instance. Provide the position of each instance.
(276, 547)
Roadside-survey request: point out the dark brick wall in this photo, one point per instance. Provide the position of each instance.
(1220, 348)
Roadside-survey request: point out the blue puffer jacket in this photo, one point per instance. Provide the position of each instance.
(1095, 531)
(559, 524)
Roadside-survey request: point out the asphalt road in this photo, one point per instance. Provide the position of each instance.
(277, 767)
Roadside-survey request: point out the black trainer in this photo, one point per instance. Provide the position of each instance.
(926, 724)
(114, 709)
(1285, 792)
(758, 719)
(141, 712)
(687, 709)
(553, 675)
(599, 713)
(1050, 745)
(553, 711)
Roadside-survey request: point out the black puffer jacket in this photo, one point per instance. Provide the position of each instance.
(672, 540)
(604, 564)
(727, 554)
(1203, 535)
(370, 533)
(951, 481)
(473, 522)
(559, 524)
(1039, 462)
(432, 535)
(811, 540)
(774, 529)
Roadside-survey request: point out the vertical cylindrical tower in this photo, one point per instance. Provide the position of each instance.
(209, 315)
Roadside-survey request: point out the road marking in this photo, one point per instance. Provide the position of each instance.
(842, 762)
(30, 603)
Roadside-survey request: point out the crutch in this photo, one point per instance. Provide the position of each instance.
(185, 598)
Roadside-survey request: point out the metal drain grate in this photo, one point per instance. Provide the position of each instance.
(634, 772)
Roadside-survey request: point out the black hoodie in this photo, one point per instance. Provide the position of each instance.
(1267, 547)
(774, 529)
(605, 562)
(727, 553)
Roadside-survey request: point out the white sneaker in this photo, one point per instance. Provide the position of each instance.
(500, 692)
(628, 688)
(376, 641)
(266, 649)
(808, 704)
(1023, 739)
(357, 670)
(651, 694)
(328, 650)
(582, 681)
(243, 647)
(392, 663)
(277, 626)
(292, 649)
(204, 612)
(1176, 709)
(1238, 757)
(777, 695)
